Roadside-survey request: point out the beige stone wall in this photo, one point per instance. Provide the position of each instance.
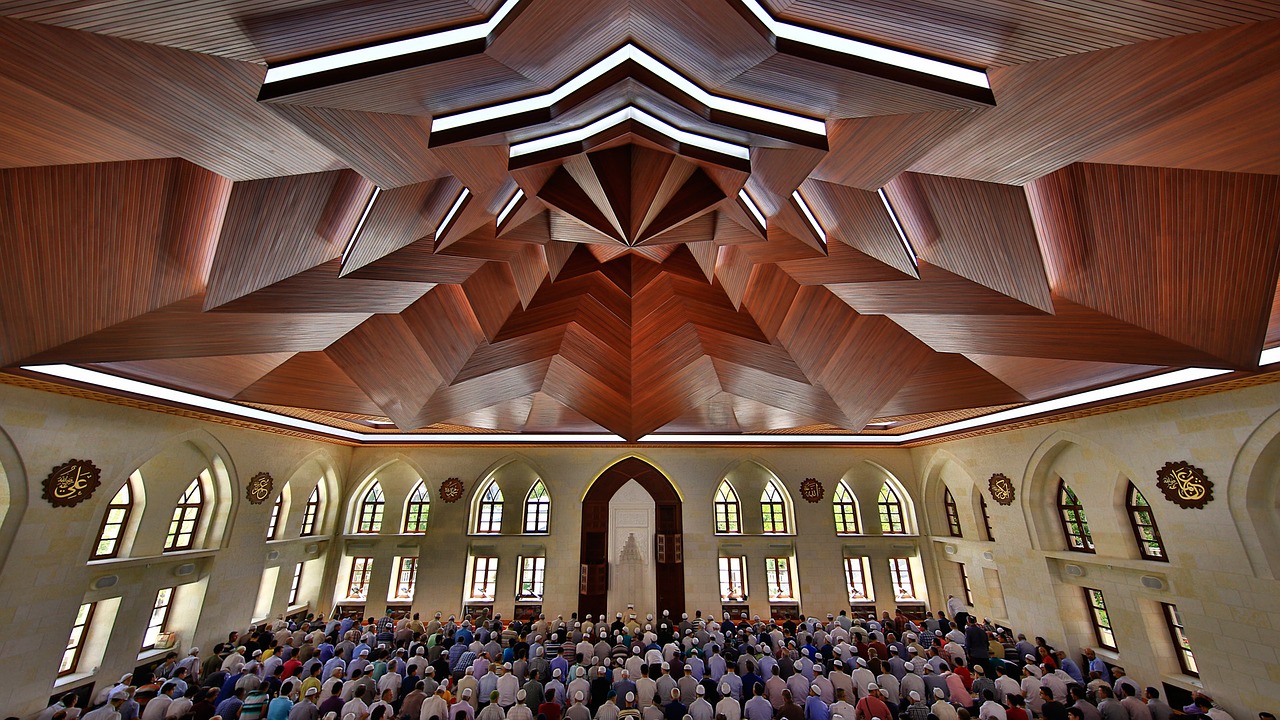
(1221, 576)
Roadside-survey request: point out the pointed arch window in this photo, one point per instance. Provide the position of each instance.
(537, 509)
(311, 513)
(489, 520)
(953, 514)
(727, 510)
(273, 525)
(890, 510)
(186, 518)
(846, 510)
(772, 510)
(986, 516)
(1144, 525)
(114, 523)
(1074, 525)
(372, 506)
(415, 511)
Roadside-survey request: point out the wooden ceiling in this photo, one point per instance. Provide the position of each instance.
(1114, 212)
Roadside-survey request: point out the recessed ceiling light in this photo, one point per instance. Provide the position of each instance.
(897, 225)
(752, 207)
(443, 227)
(355, 234)
(808, 215)
(511, 205)
(630, 112)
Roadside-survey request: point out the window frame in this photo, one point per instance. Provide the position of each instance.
(953, 514)
(844, 507)
(295, 585)
(778, 569)
(538, 509)
(179, 518)
(964, 582)
(417, 510)
(532, 573)
(77, 648)
(311, 517)
(899, 570)
(167, 607)
(489, 511)
(1133, 509)
(886, 510)
(273, 524)
(122, 524)
(729, 564)
(488, 565)
(1181, 644)
(773, 510)
(406, 564)
(373, 509)
(727, 510)
(1100, 618)
(1069, 504)
(986, 517)
(863, 566)
(362, 567)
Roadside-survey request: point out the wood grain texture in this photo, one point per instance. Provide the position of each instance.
(949, 382)
(90, 246)
(1040, 378)
(390, 150)
(311, 380)
(220, 376)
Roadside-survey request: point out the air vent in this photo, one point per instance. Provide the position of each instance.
(1074, 570)
(105, 582)
(313, 548)
(988, 556)
(1153, 582)
(184, 569)
(949, 549)
(273, 555)
(904, 548)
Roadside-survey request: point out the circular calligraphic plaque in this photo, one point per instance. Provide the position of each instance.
(1185, 485)
(1001, 488)
(811, 490)
(259, 488)
(451, 490)
(71, 483)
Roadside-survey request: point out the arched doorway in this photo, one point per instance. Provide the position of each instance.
(593, 580)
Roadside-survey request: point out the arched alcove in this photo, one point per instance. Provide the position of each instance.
(512, 478)
(396, 477)
(13, 494)
(754, 482)
(946, 473)
(1253, 494)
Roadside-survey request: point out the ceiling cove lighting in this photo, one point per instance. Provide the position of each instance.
(897, 225)
(177, 397)
(808, 215)
(630, 112)
(384, 51)
(867, 51)
(752, 207)
(355, 234)
(511, 205)
(623, 54)
(453, 210)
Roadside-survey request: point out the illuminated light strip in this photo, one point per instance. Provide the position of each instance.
(751, 206)
(875, 53)
(1270, 356)
(355, 234)
(630, 113)
(383, 51)
(650, 63)
(808, 214)
(448, 217)
(511, 205)
(135, 387)
(897, 225)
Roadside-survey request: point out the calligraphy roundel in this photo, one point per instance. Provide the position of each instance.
(811, 490)
(1001, 488)
(1185, 485)
(259, 488)
(71, 483)
(451, 490)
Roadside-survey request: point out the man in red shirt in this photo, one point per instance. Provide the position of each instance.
(872, 707)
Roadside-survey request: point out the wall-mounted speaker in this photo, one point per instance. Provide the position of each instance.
(313, 548)
(105, 582)
(1074, 570)
(273, 555)
(904, 548)
(988, 556)
(949, 549)
(1153, 582)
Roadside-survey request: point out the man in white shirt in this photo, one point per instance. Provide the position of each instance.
(159, 705)
(728, 707)
(991, 710)
(700, 709)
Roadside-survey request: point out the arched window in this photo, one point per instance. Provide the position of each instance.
(1074, 524)
(274, 524)
(772, 510)
(311, 513)
(186, 518)
(537, 509)
(371, 507)
(953, 514)
(114, 524)
(727, 511)
(415, 511)
(846, 510)
(489, 520)
(890, 508)
(986, 516)
(1144, 525)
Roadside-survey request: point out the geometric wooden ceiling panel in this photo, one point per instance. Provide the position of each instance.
(775, 237)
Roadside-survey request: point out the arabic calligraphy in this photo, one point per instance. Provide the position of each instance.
(71, 483)
(259, 488)
(1001, 488)
(1185, 485)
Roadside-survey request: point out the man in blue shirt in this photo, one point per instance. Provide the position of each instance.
(814, 708)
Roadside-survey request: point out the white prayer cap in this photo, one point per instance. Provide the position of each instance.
(725, 689)
(684, 616)
(913, 651)
(666, 666)
(581, 671)
(862, 663)
(471, 670)
(349, 716)
(838, 663)
(578, 696)
(194, 651)
(871, 687)
(910, 667)
(256, 653)
(631, 697)
(701, 690)
(313, 690)
(648, 616)
(937, 692)
(555, 673)
(506, 666)
(521, 695)
(363, 653)
(619, 616)
(120, 694)
(466, 692)
(815, 689)
(635, 650)
(913, 695)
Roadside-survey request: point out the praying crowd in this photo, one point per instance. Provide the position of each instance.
(950, 666)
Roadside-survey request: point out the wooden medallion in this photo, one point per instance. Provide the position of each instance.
(451, 490)
(259, 488)
(71, 483)
(1001, 488)
(811, 490)
(1185, 485)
